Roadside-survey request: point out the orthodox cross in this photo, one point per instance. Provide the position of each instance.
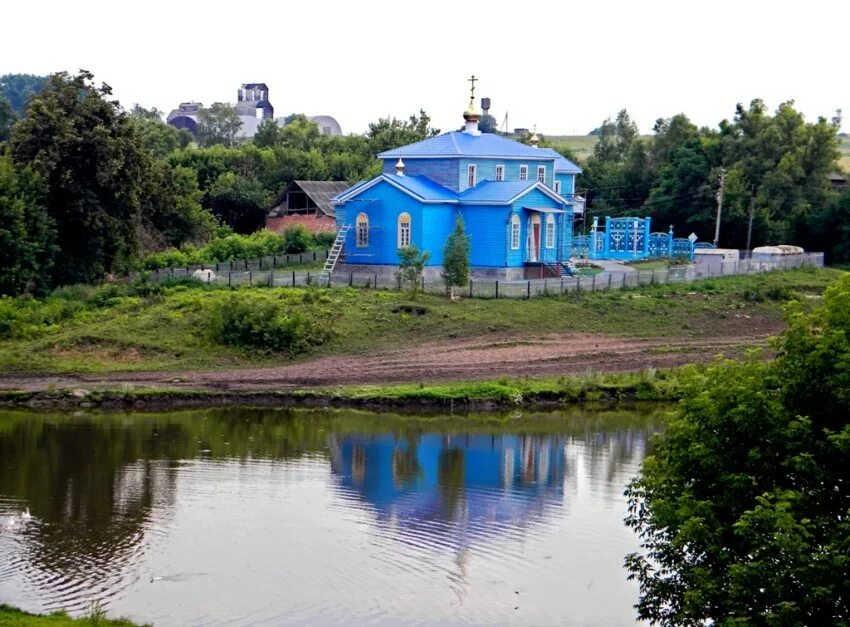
(472, 80)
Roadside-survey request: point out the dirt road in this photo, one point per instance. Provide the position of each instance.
(455, 360)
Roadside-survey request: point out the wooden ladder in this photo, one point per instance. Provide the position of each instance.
(333, 255)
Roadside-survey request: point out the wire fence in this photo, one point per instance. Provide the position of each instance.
(476, 288)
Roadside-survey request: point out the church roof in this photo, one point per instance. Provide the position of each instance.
(420, 187)
(423, 187)
(503, 192)
(562, 164)
(462, 144)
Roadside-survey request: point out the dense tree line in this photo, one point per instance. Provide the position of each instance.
(87, 188)
(775, 168)
(107, 186)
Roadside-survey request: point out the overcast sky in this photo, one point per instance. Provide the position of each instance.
(562, 65)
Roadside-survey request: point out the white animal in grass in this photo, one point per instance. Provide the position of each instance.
(205, 276)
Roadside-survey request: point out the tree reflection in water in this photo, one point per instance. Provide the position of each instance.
(103, 488)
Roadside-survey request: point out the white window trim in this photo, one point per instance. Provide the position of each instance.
(400, 240)
(502, 178)
(557, 186)
(471, 175)
(550, 231)
(362, 218)
(541, 169)
(523, 172)
(515, 232)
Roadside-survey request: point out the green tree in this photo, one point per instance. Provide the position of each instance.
(683, 192)
(27, 233)
(160, 138)
(153, 114)
(239, 202)
(456, 258)
(7, 118)
(296, 239)
(618, 173)
(218, 124)
(389, 133)
(488, 124)
(742, 510)
(267, 135)
(830, 227)
(411, 267)
(175, 214)
(19, 88)
(89, 155)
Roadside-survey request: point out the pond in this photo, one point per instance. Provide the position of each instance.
(270, 516)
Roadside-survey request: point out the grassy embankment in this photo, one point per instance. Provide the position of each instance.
(105, 332)
(13, 617)
(109, 332)
(170, 331)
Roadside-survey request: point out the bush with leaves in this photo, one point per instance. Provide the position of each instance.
(267, 324)
(411, 266)
(456, 258)
(296, 239)
(324, 239)
(743, 510)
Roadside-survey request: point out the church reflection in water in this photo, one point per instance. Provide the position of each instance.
(469, 478)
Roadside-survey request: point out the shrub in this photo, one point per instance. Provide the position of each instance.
(266, 325)
(26, 317)
(296, 239)
(324, 239)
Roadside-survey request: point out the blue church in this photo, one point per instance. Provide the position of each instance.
(517, 203)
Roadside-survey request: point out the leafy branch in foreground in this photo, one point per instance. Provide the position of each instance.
(742, 511)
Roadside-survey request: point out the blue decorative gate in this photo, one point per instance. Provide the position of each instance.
(630, 239)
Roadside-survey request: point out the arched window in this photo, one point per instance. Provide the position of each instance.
(514, 232)
(404, 230)
(362, 230)
(550, 231)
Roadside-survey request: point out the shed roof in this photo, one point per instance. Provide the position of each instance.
(322, 193)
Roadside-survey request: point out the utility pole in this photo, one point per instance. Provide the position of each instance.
(750, 225)
(719, 205)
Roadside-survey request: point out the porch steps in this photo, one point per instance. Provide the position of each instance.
(562, 269)
(333, 255)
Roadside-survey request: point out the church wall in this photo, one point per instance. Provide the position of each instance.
(488, 230)
(442, 171)
(486, 170)
(383, 204)
(568, 183)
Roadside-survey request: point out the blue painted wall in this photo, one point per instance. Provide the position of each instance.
(568, 184)
(488, 230)
(442, 171)
(486, 170)
(488, 227)
(383, 203)
(453, 173)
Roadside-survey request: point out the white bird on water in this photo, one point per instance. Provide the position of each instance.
(26, 515)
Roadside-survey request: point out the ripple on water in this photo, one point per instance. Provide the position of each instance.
(375, 529)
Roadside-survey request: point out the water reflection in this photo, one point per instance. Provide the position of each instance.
(157, 515)
(471, 478)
